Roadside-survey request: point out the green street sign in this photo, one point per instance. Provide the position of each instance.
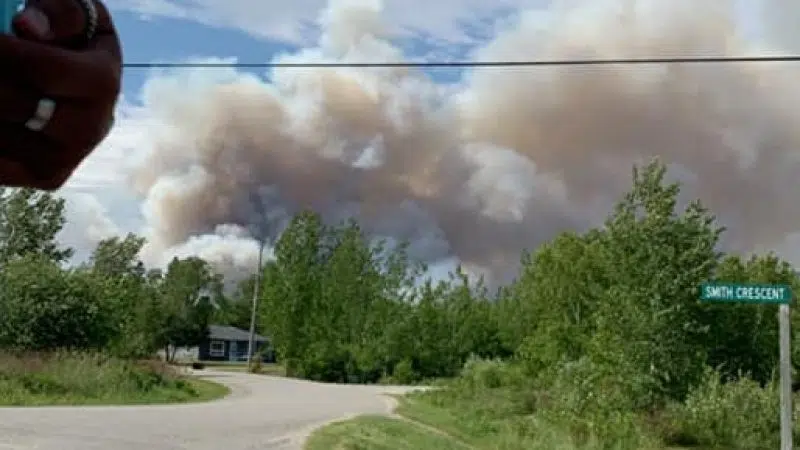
(746, 293)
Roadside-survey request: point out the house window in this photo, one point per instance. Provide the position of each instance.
(217, 348)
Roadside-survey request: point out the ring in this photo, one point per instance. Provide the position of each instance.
(44, 112)
(92, 17)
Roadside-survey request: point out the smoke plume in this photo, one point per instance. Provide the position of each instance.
(501, 161)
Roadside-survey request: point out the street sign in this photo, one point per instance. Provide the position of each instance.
(746, 293)
(766, 294)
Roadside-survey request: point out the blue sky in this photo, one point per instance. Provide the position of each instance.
(153, 37)
(161, 39)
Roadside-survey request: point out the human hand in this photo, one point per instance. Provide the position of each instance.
(55, 59)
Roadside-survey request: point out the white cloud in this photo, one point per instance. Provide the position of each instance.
(88, 223)
(99, 202)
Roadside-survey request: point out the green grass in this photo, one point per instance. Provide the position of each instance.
(94, 379)
(483, 419)
(494, 406)
(271, 369)
(379, 433)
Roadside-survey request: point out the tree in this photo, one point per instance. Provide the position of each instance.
(743, 338)
(129, 292)
(43, 307)
(187, 295)
(654, 258)
(292, 288)
(330, 297)
(620, 302)
(119, 258)
(235, 309)
(549, 312)
(30, 221)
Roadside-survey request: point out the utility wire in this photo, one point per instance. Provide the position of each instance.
(423, 64)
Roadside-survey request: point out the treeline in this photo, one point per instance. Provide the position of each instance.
(110, 304)
(619, 299)
(601, 335)
(615, 305)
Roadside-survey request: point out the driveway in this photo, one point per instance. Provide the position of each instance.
(261, 413)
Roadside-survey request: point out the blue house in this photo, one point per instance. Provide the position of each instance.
(226, 343)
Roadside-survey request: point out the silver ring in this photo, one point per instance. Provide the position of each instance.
(92, 17)
(44, 112)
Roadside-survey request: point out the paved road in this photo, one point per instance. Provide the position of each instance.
(261, 413)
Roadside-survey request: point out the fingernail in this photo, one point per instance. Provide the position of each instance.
(35, 22)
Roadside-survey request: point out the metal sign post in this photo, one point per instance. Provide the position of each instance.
(786, 377)
(766, 294)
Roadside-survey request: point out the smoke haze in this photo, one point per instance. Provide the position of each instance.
(501, 161)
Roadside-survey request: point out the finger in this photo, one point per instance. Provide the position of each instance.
(14, 174)
(59, 20)
(61, 72)
(28, 159)
(77, 123)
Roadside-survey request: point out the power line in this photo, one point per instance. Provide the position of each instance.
(424, 64)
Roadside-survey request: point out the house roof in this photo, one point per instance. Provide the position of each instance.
(228, 333)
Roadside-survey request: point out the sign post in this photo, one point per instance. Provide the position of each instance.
(765, 294)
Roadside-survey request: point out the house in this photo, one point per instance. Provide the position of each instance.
(226, 343)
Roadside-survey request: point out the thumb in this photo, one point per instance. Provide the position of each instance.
(32, 23)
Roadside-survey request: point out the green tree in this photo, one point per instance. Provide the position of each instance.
(235, 309)
(330, 297)
(621, 302)
(548, 314)
(649, 318)
(129, 292)
(743, 338)
(43, 307)
(30, 221)
(291, 288)
(187, 293)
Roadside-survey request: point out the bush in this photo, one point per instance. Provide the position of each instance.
(479, 373)
(76, 377)
(403, 373)
(736, 415)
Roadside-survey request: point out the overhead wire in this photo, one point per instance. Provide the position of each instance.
(434, 64)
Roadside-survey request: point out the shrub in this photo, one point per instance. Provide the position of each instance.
(76, 377)
(403, 373)
(479, 373)
(738, 414)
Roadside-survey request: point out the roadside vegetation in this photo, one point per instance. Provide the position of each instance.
(88, 334)
(66, 378)
(600, 343)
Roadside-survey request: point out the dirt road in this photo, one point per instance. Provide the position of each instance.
(261, 413)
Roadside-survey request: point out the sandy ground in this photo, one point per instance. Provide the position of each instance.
(262, 412)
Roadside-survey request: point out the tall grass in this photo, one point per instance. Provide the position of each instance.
(494, 405)
(66, 377)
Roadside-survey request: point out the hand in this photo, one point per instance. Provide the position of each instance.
(50, 58)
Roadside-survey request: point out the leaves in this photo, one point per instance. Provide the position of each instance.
(30, 221)
(611, 309)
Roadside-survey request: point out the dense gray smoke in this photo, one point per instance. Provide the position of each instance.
(505, 159)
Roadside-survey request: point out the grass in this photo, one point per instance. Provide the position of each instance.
(447, 419)
(271, 369)
(379, 433)
(94, 379)
(499, 418)
(494, 406)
